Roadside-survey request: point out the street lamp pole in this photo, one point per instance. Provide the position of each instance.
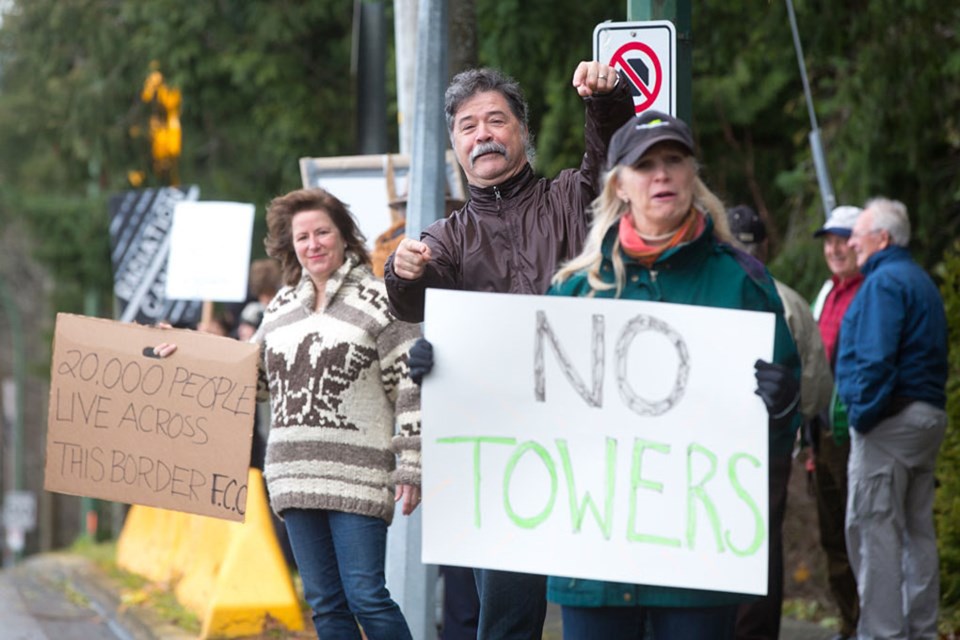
(19, 376)
(17, 400)
(816, 147)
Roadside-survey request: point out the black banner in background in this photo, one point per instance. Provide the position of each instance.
(140, 223)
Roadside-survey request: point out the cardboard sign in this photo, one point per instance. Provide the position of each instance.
(606, 439)
(169, 432)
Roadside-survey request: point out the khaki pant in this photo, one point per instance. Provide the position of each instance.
(890, 533)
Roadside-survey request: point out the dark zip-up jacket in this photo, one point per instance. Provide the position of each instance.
(512, 237)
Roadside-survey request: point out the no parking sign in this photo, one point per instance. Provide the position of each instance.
(646, 54)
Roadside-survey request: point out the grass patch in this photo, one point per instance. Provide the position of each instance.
(157, 600)
(809, 611)
(950, 623)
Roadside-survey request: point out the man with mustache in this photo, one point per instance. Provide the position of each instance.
(510, 237)
(516, 229)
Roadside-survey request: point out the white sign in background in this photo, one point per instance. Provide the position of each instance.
(654, 472)
(360, 182)
(646, 53)
(20, 510)
(363, 193)
(210, 251)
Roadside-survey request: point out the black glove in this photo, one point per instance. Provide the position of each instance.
(778, 388)
(421, 360)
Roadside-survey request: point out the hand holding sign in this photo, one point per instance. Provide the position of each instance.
(778, 388)
(421, 359)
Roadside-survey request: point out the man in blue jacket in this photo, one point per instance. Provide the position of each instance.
(891, 373)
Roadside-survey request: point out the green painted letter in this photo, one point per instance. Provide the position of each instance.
(637, 482)
(759, 531)
(476, 440)
(531, 522)
(697, 492)
(579, 509)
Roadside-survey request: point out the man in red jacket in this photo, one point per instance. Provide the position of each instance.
(830, 439)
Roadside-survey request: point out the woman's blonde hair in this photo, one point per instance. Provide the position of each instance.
(607, 210)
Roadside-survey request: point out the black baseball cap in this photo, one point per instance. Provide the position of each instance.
(746, 225)
(636, 136)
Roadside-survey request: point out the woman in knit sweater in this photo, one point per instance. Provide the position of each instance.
(346, 417)
(335, 365)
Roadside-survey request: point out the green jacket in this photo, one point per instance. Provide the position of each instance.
(703, 272)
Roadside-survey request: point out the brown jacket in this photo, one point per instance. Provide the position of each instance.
(512, 237)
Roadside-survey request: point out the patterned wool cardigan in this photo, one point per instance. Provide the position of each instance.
(346, 416)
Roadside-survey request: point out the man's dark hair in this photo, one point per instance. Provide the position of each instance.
(467, 84)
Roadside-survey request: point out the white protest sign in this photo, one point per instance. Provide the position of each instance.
(606, 439)
(210, 251)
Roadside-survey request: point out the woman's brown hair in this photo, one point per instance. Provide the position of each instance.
(279, 240)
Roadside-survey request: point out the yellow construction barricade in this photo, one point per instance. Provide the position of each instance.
(232, 575)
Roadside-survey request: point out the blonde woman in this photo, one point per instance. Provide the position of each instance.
(659, 234)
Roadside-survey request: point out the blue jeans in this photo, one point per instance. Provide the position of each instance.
(341, 558)
(666, 623)
(512, 605)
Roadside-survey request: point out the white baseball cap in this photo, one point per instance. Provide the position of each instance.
(840, 221)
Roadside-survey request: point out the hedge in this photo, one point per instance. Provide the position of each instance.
(947, 510)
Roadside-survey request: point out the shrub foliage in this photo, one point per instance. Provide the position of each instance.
(948, 495)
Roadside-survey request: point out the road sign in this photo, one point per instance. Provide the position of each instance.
(646, 54)
(20, 510)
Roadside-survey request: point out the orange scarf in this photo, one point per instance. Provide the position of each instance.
(637, 248)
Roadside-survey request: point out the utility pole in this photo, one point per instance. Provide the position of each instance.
(679, 13)
(428, 177)
(405, 37)
(369, 67)
(413, 584)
